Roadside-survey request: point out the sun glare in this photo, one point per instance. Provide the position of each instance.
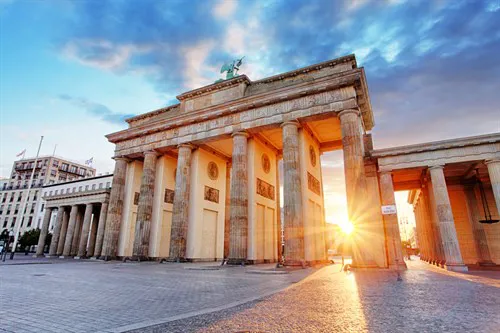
(347, 227)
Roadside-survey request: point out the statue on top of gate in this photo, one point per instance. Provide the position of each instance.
(231, 69)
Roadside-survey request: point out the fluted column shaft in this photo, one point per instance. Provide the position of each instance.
(145, 208)
(76, 234)
(352, 142)
(180, 209)
(494, 173)
(43, 232)
(93, 234)
(393, 237)
(227, 212)
(57, 232)
(293, 219)
(238, 228)
(87, 218)
(70, 231)
(62, 235)
(478, 233)
(278, 213)
(100, 229)
(115, 210)
(446, 222)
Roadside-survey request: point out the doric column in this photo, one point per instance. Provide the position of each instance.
(75, 243)
(70, 231)
(43, 232)
(393, 236)
(145, 208)
(62, 235)
(84, 237)
(278, 213)
(478, 233)
(352, 142)
(57, 232)
(180, 209)
(227, 211)
(238, 229)
(494, 173)
(446, 222)
(93, 234)
(114, 216)
(293, 219)
(100, 229)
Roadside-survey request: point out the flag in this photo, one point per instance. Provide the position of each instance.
(21, 153)
(89, 161)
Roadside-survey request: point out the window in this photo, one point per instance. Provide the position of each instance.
(74, 189)
(12, 197)
(64, 167)
(50, 193)
(45, 162)
(4, 197)
(29, 221)
(32, 208)
(100, 185)
(39, 164)
(86, 187)
(51, 182)
(19, 196)
(80, 188)
(72, 169)
(5, 223)
(67, 190)
(1, 209)
(56, 192)
(13, 222)
(41, 209)
(53, 172)
(39, 222)
(93, 186)
(8, 209)
(16, 210)
(108, 184)
(55, 163)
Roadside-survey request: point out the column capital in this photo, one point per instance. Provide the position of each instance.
(122, 158)
(349, 111)
(186, 145)
(492, 161)
(385, 172)
(290, 122)
(151, 152)
(240, 133)
(435, 167)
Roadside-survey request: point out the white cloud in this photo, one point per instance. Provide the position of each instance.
(194, 60)
(224, 8)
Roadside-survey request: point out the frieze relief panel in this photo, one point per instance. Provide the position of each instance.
(313, 184)
(265, 189)
(335, 100)
(211, 194)
(169, 196)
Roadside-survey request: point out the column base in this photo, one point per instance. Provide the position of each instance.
(398, 267)
(486, 263)
(139, 258)
(237, 261)
(456, 268)
(78, 257)
(52, 256)
(94, 258)
(179, 260)
(65, 257)
(294, 262)
(38, 256)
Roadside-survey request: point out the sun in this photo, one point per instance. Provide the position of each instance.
(347, 227)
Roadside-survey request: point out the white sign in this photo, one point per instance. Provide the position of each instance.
(389, 209)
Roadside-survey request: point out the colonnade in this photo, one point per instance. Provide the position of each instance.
(78, 230)
(294, 217)
(436, 224)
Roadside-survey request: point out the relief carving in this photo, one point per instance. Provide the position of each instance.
(312, 156)
(169, 196)
(213, 171)
(313, 184)
(211, 194)
(265, 189)
(266, 163)
(136, 198)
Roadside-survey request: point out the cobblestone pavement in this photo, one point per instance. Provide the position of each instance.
(90, 296)
(367, 301)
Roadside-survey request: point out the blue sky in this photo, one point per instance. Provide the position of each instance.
(72, 70)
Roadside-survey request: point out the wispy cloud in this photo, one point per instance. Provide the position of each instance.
(96, 109)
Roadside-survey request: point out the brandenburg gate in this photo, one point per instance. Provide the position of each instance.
(199, 180)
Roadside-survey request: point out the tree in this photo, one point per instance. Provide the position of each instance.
(29, 238)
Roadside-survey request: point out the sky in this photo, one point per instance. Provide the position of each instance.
(73, 70)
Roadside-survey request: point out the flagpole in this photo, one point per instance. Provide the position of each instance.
(25, 201)
(54, 152)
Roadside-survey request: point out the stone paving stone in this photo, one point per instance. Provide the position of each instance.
(89, 296)
(333, 301)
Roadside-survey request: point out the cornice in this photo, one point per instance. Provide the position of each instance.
(214, 87)
(152, 113)
(331, 82)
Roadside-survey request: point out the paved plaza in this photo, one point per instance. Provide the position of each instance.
(89, 296)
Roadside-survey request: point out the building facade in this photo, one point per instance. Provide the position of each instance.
(48, 170)
(75, 213)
